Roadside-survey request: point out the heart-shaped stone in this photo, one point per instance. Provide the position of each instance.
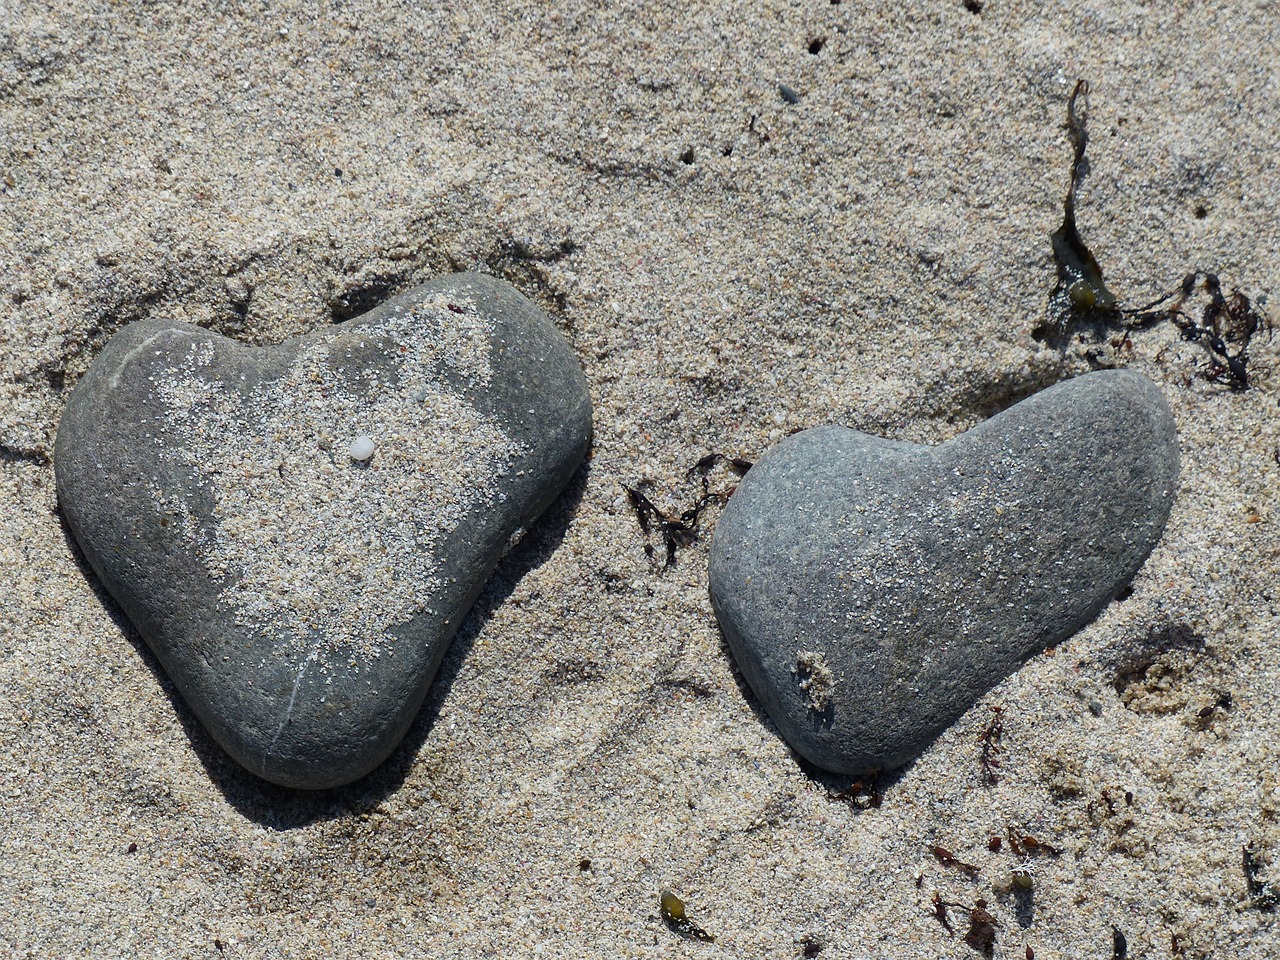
(298, 530)
(872, 590)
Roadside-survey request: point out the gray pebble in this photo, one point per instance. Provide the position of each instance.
(298, 530)
(872, 590)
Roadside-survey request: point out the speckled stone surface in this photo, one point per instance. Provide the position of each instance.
(298, 530)
(872, 590)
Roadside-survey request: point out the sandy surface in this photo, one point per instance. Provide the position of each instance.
(728, 266)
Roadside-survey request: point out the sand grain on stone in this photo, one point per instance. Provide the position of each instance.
(309, 545)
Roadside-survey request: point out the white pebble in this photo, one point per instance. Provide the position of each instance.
(361, 447)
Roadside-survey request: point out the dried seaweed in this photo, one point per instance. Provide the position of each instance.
(677, 530)
(1081, 304)
(673, 912)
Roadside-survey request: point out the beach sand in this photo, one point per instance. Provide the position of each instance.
(729, 266)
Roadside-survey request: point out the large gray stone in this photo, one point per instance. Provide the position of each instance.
(298, 530)
(872, 590)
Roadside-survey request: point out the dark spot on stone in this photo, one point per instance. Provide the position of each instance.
(816, 45)
(687, 156)
(1201, 211)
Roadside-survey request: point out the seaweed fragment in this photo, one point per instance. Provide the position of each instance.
(1263, 894)
(673, 912)
(1081, 300)
(982, 930)
(675, 530)
(948, 859)
(1081, 293)
(981, 935)
(990, 740)
(1025, 845)
(739, 465)
(862, 794)
(1224, 319)
(1205, 714)
(681, 530)
(940, 912)
(1119, 945)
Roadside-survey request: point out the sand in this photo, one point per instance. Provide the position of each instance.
(729, 266)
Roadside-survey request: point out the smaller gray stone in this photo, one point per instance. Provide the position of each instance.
(297, 531)
(871, 590)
